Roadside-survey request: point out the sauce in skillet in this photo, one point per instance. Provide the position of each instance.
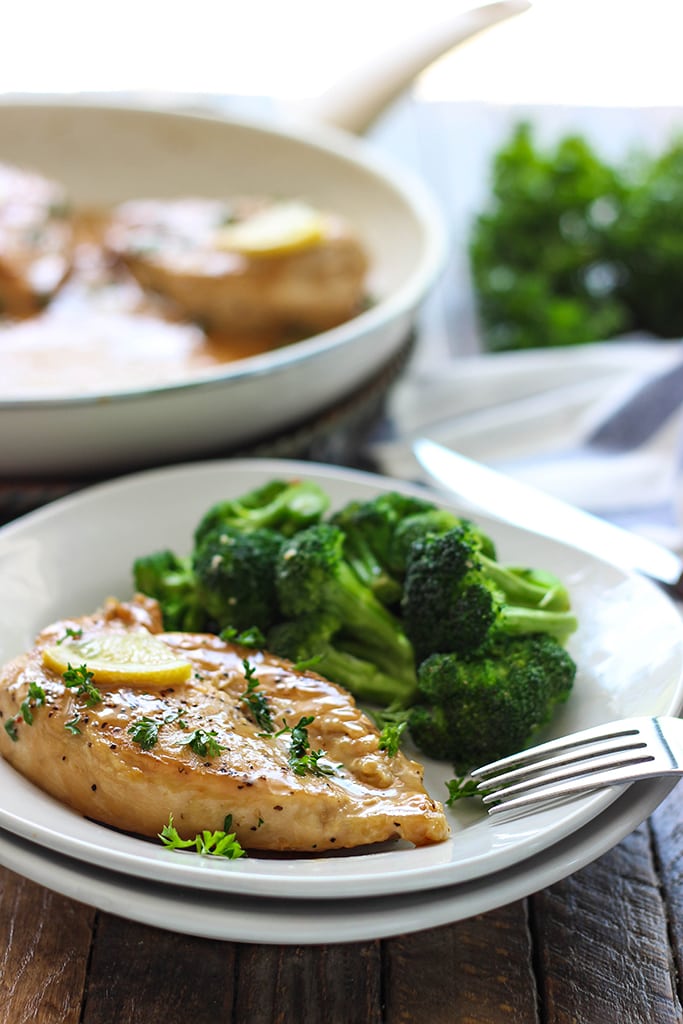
(101, 333)
(132, 317)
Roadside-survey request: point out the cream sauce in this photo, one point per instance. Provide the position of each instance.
(101, 334)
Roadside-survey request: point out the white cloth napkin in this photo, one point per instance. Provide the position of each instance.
(527, 414)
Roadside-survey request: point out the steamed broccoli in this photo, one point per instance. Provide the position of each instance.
(312, 577)
(235, 576)
(416, 528)
(312, 642)
(285, 506)
(455, 598)
(364, 555)
(475, 709)
(168, 578)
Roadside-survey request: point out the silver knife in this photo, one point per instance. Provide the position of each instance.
(514, 502)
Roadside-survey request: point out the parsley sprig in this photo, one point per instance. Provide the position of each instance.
(221, 843)
(255, 700)
(79, 680)
(34, 698)
(390, 737)
(145, 732)
(301, 758)
(204, 743)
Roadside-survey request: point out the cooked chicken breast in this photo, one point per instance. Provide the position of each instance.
(188, 251)
(92, 757)
(36, 240)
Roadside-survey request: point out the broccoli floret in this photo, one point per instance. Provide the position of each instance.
(235, 577)
(310, 642)
(169, 579)
(285, 506)
(455, 598)
(313, 577)
(356, 521)
(415, 528)
(474, 710)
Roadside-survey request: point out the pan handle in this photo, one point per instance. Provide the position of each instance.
(353, 104)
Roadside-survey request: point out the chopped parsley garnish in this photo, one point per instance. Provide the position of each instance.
(78, 679)
(460, 788)
(11, 730)
(34, 698)
(255, 700)
(301, 758)
(70, 634)
(145, 732)
(204, 743)
(72, 725)
(221, 843)
(390, 737)
(252, 637)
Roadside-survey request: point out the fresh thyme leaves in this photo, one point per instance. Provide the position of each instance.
(11, 730)
(145, 732)
(301, 758)
(72, 725)
(34, 698)
(221, 843)
(79, 680)
(255, 700)
(390, 737)
(70, 634)
(204, 743)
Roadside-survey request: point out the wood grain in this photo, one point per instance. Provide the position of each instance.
(334, 984)
(142, 974)
(667, 831)
(473, 972)
(44, 948)
(603, 953)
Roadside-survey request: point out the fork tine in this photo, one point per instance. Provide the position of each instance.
(625, 727)
(589, 769)
(569, 755)
(574, 787)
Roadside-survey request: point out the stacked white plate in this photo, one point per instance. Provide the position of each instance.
(67, 557)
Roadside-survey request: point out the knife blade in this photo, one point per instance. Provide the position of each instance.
(514, 502)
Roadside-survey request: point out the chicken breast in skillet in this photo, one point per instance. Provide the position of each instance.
(251, 265)
(303, 773)
(36, 241)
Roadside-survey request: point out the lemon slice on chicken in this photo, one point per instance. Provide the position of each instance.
(116, 658)
(282, 228)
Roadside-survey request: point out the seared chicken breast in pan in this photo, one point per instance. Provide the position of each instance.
(36, 241)
(249, 265)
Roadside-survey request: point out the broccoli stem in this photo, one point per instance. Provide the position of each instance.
(367, 621)
(363, 679)
(517, 621)
(527, 587)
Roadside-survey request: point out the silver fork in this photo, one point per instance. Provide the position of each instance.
(606, 755)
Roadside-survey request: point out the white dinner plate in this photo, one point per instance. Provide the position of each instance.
(240, 918)
(68, 557)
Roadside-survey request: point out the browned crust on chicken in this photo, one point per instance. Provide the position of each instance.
(36, 241)
(171, 248)
(102, 773)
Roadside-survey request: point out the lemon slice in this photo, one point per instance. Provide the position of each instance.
(133, 659)
(282, 228)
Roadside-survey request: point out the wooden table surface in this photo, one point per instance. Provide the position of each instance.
(603, 945)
